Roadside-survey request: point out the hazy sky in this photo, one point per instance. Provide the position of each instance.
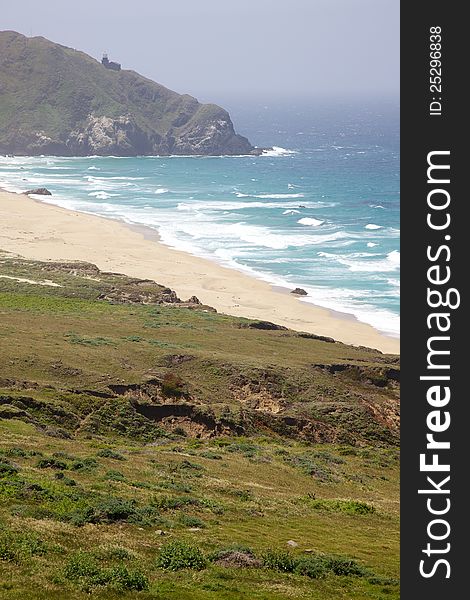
(221, 48)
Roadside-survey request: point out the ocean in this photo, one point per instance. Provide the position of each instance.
(320, 211)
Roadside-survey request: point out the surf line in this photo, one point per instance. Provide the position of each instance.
(441, 299)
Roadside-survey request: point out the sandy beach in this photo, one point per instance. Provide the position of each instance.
(42, 231)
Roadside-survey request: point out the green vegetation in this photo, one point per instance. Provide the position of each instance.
(52, 96)
(272, 475)
(180, 555)
(352, 507)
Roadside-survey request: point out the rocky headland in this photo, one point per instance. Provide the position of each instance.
(59, 101)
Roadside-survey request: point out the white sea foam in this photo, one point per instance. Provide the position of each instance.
(347, 301)
(277, 151)
(338, 299)
(10, 187)
(280, 196)
(161, 191)
(366, 262)
(93, 168)
(108, 183)
(373, 226)
(269, 196)
(202, 228)
(125, 178)
(311, 222)
(101, 195)
(214, 205)
(42, 181)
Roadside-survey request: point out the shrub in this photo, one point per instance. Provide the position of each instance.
(351, 507)
(186, 464)
(176, 486)
(83, 569)
(141, 484)
(190, 521)
(18, 546)
(312, 566)
(51, 463)
(114, 475)
(180, 555)
(246, 448)
(122, 578)
(15, 453)
(145, 515)
(108, 509)
(108, 453)
(214, 506)
(342, 565)
(173, 386)
(80, 565)
(32, 512)
(328, 457)
(86, 464)
(65, 480)
(7, 470)
(113, 509)
(172, 502)
(308, 465)
(350, 451)
(279, 560)
(73, 338)
(244, 495)
(211, 455)
(63, 456)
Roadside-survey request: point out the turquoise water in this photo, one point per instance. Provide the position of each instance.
(320, 211)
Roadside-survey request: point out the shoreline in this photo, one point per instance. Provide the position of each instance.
(42, 231)
(152, 234)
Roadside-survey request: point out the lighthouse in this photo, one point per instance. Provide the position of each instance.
(107, 64)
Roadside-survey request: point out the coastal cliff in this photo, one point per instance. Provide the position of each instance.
(59, 101)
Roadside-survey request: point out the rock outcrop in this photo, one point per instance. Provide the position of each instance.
(40, 192)
(299, 292)
(58, 101)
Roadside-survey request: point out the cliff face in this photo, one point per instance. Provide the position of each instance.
(56, 100)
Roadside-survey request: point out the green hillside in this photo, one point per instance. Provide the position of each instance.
(152, 448)
(57, 100)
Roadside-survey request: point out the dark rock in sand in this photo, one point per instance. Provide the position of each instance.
(40, 192)
(299, 292)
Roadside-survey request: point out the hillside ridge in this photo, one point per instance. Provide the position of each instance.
(60, 101)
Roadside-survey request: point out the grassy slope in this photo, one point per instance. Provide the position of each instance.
(52, 88)
(61, 346)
